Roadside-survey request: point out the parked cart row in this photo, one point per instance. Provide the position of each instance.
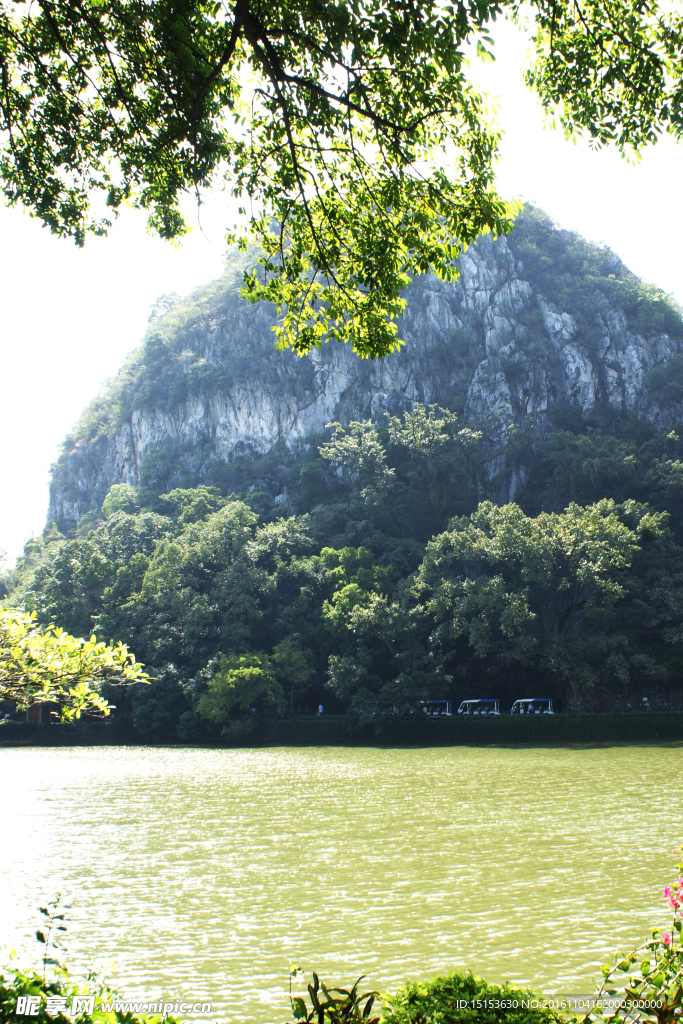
(524, 706)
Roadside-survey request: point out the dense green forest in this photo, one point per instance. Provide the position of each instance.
(394, 580)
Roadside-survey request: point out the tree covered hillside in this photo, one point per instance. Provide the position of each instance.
(380, 561)
(401, 585)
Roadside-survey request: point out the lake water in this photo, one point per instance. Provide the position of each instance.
(202, 874)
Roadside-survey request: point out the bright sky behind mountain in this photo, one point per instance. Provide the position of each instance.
(70, 316)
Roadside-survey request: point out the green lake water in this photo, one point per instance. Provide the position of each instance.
(202, 874)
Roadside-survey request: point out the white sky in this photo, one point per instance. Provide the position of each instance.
(69, 317)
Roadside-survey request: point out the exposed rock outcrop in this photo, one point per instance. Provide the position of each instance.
(209, 382)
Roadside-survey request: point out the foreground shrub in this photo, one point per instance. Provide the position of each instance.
(28, 997)
(459, 998)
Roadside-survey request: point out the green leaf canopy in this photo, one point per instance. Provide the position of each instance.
(359, 151)
(39, 666)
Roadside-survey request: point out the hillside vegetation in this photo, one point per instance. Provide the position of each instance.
(379, 563)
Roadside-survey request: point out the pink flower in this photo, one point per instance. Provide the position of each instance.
(674, 899)
(666, 939)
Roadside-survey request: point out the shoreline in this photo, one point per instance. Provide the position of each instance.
(619, 729)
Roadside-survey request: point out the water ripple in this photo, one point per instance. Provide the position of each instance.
(203, 874)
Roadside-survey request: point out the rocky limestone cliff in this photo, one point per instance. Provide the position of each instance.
(525, 330)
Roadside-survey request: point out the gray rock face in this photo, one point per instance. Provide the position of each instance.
(489, 343)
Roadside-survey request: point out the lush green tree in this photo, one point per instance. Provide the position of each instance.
(392, 663)
(274, 588)
(333, 589)
(381, 658)
(167, 606)
(603, 455)
(332, 120)
(615, 70)
(441, 467)
(222, 583)
(360, 457)
(354, 575)
(159, 708)
(538, 591)
(39, 666)
(582, 467)
(350, 132)
(121, 498)
(238, 688)
(414, 471)
(191, 504)
(293, 665)
(88, 573)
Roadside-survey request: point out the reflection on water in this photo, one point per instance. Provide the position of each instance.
(205, 873)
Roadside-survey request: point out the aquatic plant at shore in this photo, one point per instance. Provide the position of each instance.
(333, 1005)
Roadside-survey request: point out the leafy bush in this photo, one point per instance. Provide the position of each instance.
(238, 687)
(60, 990)
(459, 998)
(159, 706)
(121, 498)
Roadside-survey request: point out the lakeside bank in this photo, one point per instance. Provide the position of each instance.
(343, 730)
